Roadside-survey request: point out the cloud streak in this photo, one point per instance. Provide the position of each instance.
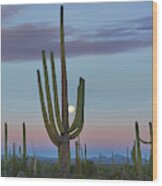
(8, 11)
(26, 41)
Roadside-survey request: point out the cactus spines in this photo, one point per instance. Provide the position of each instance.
(6, 141)
(24, 141)
(59, 130)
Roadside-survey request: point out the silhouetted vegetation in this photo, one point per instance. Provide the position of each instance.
(17, 164)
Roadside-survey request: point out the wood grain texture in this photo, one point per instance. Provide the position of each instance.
(154, 90)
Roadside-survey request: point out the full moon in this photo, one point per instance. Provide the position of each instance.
(71, 108)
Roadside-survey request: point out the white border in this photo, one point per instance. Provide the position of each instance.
(62, 1)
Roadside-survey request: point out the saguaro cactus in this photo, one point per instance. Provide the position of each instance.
(136, 152)
(78, 163)
(14, 150)
(149, 142)
(61, 134)
(85, 152)
(20, 150)
(24, 141)
(6, 142)
(127, 156)
(133, 154)
(138, 145)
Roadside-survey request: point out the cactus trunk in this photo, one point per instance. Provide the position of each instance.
(85, 152)
(20, 151)
(24, 142)
(63, 69)
(64, 158)
(151, 140)
(14, 150)
(133, 154)
(139, 162)
(127, 156)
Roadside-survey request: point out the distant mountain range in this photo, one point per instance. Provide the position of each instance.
(117, 159)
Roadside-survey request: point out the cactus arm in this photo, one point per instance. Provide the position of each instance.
(80, 116)
(145, 142)
(56, 102)
(48, 97)
(151, 132)
(80, 105)
(64, 78)
(76, 132)
(78, 110)
(44, 112)
(151, 136)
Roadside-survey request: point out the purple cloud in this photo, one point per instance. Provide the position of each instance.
(145, 23)
(82, 47)
(8, 11)
(109, 33)
(25, 42)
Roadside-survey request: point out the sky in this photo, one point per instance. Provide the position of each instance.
(108, 44)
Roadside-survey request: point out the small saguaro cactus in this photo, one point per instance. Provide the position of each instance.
(139, 156)
(24, 141)
(133, 154)
(136, 152)
(14, 150)
(78, 160)
(61, 134)
(127, 156)
(6, 141)
(85, 152)
(20, 150)
(149, 142)
(14, 159)
(151, 146)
